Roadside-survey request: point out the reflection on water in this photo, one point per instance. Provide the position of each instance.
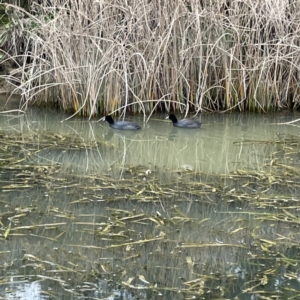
(161, 213)
(26, 291)
(215, 148)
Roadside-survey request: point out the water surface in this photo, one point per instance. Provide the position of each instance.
(161, 213)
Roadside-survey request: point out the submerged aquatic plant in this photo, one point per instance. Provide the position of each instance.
(99, 235)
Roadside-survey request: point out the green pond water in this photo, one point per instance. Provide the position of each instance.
(87, 212)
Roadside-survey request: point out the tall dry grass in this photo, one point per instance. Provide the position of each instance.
(93, 57)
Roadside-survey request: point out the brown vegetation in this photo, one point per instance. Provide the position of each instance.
(91, 57)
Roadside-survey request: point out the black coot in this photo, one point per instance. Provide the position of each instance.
(185, 123)
(122, 125)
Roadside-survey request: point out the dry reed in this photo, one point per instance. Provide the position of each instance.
(93, 57)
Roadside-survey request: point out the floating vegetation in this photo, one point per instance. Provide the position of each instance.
(197, 236)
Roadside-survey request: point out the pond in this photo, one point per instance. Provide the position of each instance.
(87, 212)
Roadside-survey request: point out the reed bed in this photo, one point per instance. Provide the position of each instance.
(94, 57)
